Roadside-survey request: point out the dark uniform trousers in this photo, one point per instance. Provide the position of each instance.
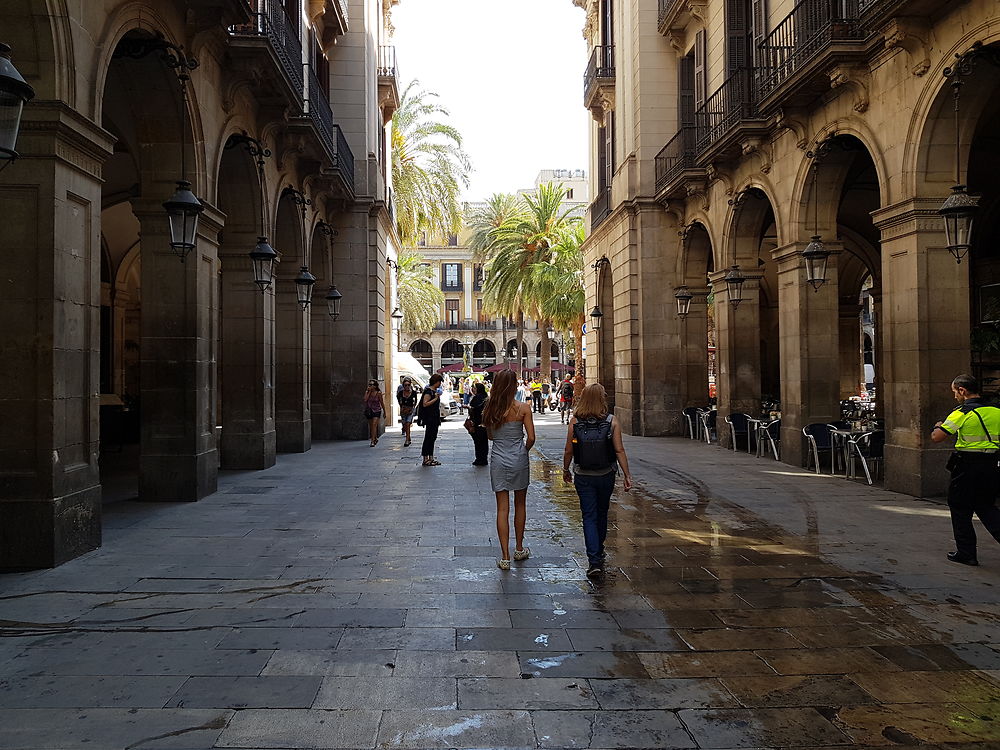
(975, 479)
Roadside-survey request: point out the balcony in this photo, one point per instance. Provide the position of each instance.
(727, 116)
(673, 14)
(317, 117)
(388, 82)
(466, 325)
(796, 58)
(676, 161)
(269, 46)
(600, 209)
(599, 82)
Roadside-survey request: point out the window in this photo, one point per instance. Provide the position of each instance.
(686, 88)
(451, 313)
(452, 240)
(700, 68)
(569, 194)
(480, 315)
(422, 240)
(477, 277)
(451, 277)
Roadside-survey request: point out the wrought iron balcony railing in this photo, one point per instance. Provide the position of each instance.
(600, 209)
(467, 325)
(666, 8)
(731, 104)
(345, 157)
(808, 29)
(317, 108)
(272, 23)
(679, 154)
(600, 67)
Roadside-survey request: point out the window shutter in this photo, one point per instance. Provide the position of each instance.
(700, 69)
(759, 15)
(459, 278)
(737, 35)
(602, 158)
(685, 88)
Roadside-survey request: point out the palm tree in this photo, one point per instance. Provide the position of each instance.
(429, 167)
(518, 245)
(558, 284)
(486, 220)
(419, 298)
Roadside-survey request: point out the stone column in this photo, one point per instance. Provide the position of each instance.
(50, 493)
(292, 408)
(322, 329)
(809, 350)
(924, 327)
(851, 371)
(738, 350)
(248, 430)
(178, 458)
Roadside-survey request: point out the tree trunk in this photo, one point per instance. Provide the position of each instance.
(519, 369)
(546, 363)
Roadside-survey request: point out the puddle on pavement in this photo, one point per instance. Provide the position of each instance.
(771, 588)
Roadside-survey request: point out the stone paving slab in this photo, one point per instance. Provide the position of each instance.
(740, 609)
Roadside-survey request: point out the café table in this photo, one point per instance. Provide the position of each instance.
(841, 439)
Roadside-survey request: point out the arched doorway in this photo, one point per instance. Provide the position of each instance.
(606, 334)
(423, 353)
(698, 329)
(484, 353)
(511, 353)
(451, 353)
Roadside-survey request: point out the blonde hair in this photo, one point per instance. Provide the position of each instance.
(593, 403)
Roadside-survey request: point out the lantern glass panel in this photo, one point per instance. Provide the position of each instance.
(11, 107)
(333, 298)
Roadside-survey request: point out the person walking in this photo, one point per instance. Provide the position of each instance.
(479, 437)
(975, 474)
(595, 448)
(430, 416)
(565, 400)
(536, 396)
(509, 425)
(406, 397)
(374, 409)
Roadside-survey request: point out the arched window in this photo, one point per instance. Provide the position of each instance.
(484, 353)
(451, 352)
(422, 352)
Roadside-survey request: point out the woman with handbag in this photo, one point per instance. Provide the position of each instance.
(406, 397)
(474, 424)
(374, 409)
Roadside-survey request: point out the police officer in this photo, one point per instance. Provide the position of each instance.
(975, 475)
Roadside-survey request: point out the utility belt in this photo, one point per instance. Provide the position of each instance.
(973, 458)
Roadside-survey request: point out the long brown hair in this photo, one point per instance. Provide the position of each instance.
(593, 403)
(500, 399)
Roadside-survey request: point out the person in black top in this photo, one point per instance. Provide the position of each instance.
(479, 437)
(406, 397)
(430, 415)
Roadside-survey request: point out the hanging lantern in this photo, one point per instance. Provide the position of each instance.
(333, 298)
(183, 210)
(595, 316)
(303, 287)
(735, 280)
(816, 257)
(683, 297)
(14, 94)
(958, 211)
(263, 257)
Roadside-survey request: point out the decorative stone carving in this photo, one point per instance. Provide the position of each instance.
(698, 11)
(910, 33)
(697, 191)
(603, 102)
(855, 78)
(676, 38)
(785, 120)
(757, 146)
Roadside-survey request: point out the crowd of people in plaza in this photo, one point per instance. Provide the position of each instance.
(501, 424)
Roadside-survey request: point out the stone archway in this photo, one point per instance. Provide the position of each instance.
(606, 375)
(484, 353)
(422, 350)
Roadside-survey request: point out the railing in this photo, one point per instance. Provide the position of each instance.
(732, 103)
(466, 325)
(666, 7)
(676, 156)
(271, 21)
(601, 65)
(600, 209)
(387, 66)
(810, 26)
(345, 157)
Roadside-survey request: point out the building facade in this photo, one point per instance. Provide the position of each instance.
(463, 321)
(280, 127)
(729, 133)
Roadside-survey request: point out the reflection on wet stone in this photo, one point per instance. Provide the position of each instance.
(375, 617)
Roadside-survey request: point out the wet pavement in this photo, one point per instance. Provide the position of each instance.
(348, 598)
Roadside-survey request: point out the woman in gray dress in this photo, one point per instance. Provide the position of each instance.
(510, 427)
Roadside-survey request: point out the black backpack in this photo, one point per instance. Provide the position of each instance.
(592, 446)
(567, 391)
(418, 414)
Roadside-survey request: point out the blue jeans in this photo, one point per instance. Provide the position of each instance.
(595, 499)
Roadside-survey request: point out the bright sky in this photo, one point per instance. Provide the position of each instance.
(511, 74)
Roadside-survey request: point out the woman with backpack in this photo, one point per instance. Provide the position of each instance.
(429, 415)
(406, 397)
(509, 425)
(594, 446)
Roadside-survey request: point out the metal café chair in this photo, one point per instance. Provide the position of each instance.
(868, 447)
(707, 418)
(739, 426)
(690, 414)
(769, 435)
(819, 440)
